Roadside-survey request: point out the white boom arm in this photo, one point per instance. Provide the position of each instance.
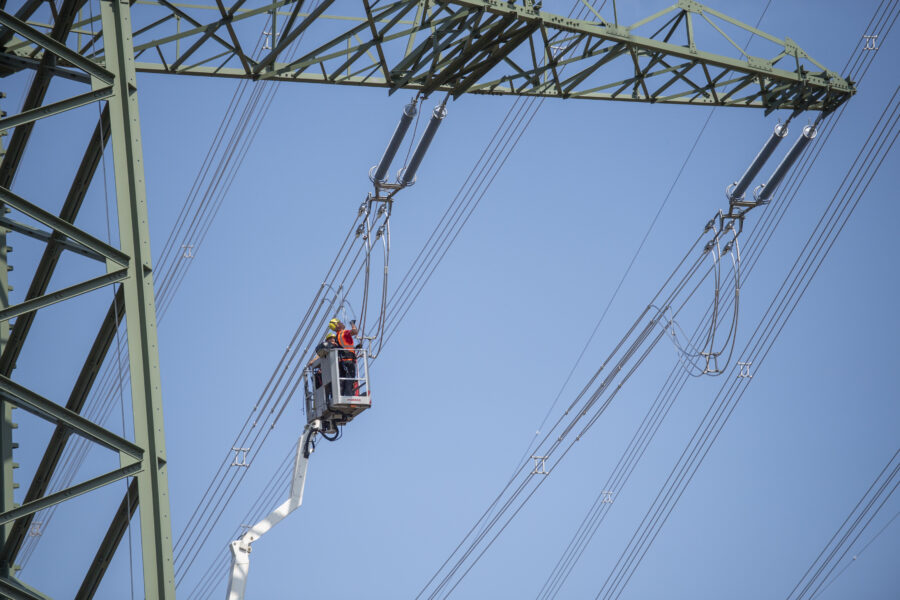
(240, 548)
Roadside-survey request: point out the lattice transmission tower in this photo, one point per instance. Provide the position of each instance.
(676, 56)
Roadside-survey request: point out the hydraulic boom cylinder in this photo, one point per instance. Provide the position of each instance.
(409, 111)
(408, 174)
(737, 192)
(763, 193)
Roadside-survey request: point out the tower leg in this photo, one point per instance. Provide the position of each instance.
(140, 311)
(6, 425)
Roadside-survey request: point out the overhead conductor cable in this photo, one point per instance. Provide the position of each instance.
(737, 189)
(763, 193)
(407, 175)
(409, 111)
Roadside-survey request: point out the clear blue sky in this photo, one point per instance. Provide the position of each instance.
(465, 382)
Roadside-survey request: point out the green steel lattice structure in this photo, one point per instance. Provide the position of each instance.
(676, 56)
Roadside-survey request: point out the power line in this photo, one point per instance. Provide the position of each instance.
(193, 223)
(816, 576)
(426, 280)
(772, 323)
(856, 556)
(428, 251)
(480, 178)
(109, 379)
(672, 387)
(281, 387)
(623, 360)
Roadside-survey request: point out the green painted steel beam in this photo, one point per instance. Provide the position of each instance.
(51, 45)
(10, 352)
(120, 123)
(64, 227)
(72, 291)
(12, 588)
(140, 309)
(7, 427)
(75, 403)
(46, 237)
(528, 52)
(37, 91)
(23, 14)
(50, 411)
(48, 110)
(50, 258)
(455, 46)
(90, 485)
(105, 336)
(110, 543)
(13, 62)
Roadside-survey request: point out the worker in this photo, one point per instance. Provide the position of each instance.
(346, 356)
(322, 349)
(327, 344)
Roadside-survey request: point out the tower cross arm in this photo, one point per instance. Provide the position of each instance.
(685, 54)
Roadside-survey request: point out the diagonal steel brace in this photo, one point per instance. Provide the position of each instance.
(57, 48)
(63, 227)
(40, 406)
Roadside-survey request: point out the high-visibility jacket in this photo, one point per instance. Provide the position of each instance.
(345, 343)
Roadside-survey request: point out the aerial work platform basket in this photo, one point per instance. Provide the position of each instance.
(337, 387)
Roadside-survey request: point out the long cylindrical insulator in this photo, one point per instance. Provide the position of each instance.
(409, 111)
(765, 194)
(741, 186)
(408, 175)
